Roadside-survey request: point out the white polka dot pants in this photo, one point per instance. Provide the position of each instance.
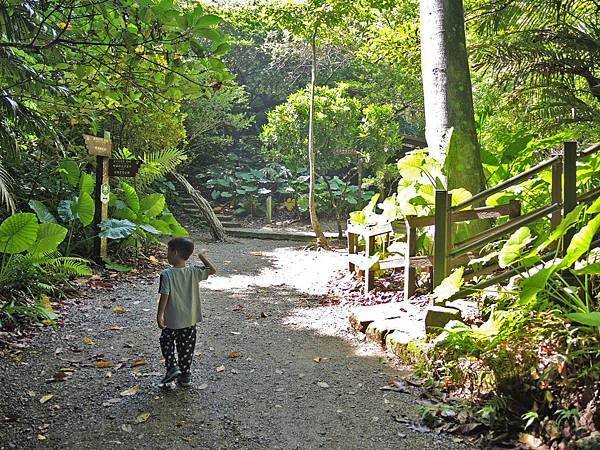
(185, 339)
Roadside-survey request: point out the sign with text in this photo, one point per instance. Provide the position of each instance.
(98, 146)
(124, 167)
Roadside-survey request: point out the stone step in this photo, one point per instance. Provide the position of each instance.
(407, 326)
(227, 224)
(363, 316)
(262, 233)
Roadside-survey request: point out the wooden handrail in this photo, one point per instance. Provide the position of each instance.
(589, 151)
(480, 239)
(508, 183)
(588, 196)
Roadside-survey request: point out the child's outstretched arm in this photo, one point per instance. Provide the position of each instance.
(202, 255)
(160, 315)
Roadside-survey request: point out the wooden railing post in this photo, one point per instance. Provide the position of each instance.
(569, 185)
(556, 192)
(440, 237)
(369, 272)
(410, 273)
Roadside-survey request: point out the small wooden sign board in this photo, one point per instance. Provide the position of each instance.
(98, 146)
(124, 167)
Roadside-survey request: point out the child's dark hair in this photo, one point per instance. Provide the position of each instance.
(183, 246)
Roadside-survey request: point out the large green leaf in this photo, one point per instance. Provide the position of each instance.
(512, 250)
(562, 227)
(149, 228)
(580, 244)
(18, 233)
(49, 236)
(84, 208)
(117, 229)
(534, 284)
(131, 197)
(590, 269)
(161, 226)
(69, 169)
(86, 183)
(594, 207)
(43, 213)
(125, 213)
(450, 285)
(587, 318)
(152, 205)
(65, 210)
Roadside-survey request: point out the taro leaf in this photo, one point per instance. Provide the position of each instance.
(117, 229)
(450, 285)
(161, 226)
(84, 209)
(562, 227)
(65, 210)
(594, 207)
(111, 265)
(500, 198)
(226, 194)
(149, 228)
(534, 284)
(580, 244)
(512, 250)
(131, 197)
(124, 213)
(86, 183)
(591, 319)
(18, 233)
(49, 236)
(590, 269)
(152, 205)
(179, 231)
(460, 195)
(43, 213)
(411, 166)
(69, 169)
(358, 217)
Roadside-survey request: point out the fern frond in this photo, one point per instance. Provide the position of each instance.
(158, 164)
(69, 265)
(6, 182)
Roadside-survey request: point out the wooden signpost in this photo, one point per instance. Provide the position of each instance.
(106, 168)
(102, 149)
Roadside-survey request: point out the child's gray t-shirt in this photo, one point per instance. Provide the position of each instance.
(181, 283)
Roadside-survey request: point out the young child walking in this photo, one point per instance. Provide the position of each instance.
(179, 308)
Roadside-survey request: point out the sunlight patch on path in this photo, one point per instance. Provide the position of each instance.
(307, 272)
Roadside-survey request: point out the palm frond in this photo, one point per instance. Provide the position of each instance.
(6, 183)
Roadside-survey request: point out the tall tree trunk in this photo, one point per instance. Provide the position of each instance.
(448, 96)
(216, 228)
(312, 204)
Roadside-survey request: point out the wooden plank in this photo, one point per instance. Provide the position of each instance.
(421, 262)
(363, 316)
(420, 222)
(392, 263)
(556, 193)
(372, 230)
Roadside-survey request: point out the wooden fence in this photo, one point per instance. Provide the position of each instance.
(448, 253)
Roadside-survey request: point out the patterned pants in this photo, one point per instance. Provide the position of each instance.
(185, 338)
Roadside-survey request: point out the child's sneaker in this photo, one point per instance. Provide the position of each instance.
(185, 379)
(171, 375)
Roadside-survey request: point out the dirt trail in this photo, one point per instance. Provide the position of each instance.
(262, 304)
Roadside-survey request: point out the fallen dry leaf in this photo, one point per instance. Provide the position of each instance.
(317, 359)
(138, 362)
(88, 341)
(322, 384)
(108, 374)
(143, 417)
(126, 428)
(153, 259)
(118, 310)
(41, 437)
(103, 364)
(256, 253)
(220, 369)
(131, 391)
(115, 328)
(46, 398)
(202, 386)
(235, 354)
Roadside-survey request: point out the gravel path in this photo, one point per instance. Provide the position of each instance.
(273, 369)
